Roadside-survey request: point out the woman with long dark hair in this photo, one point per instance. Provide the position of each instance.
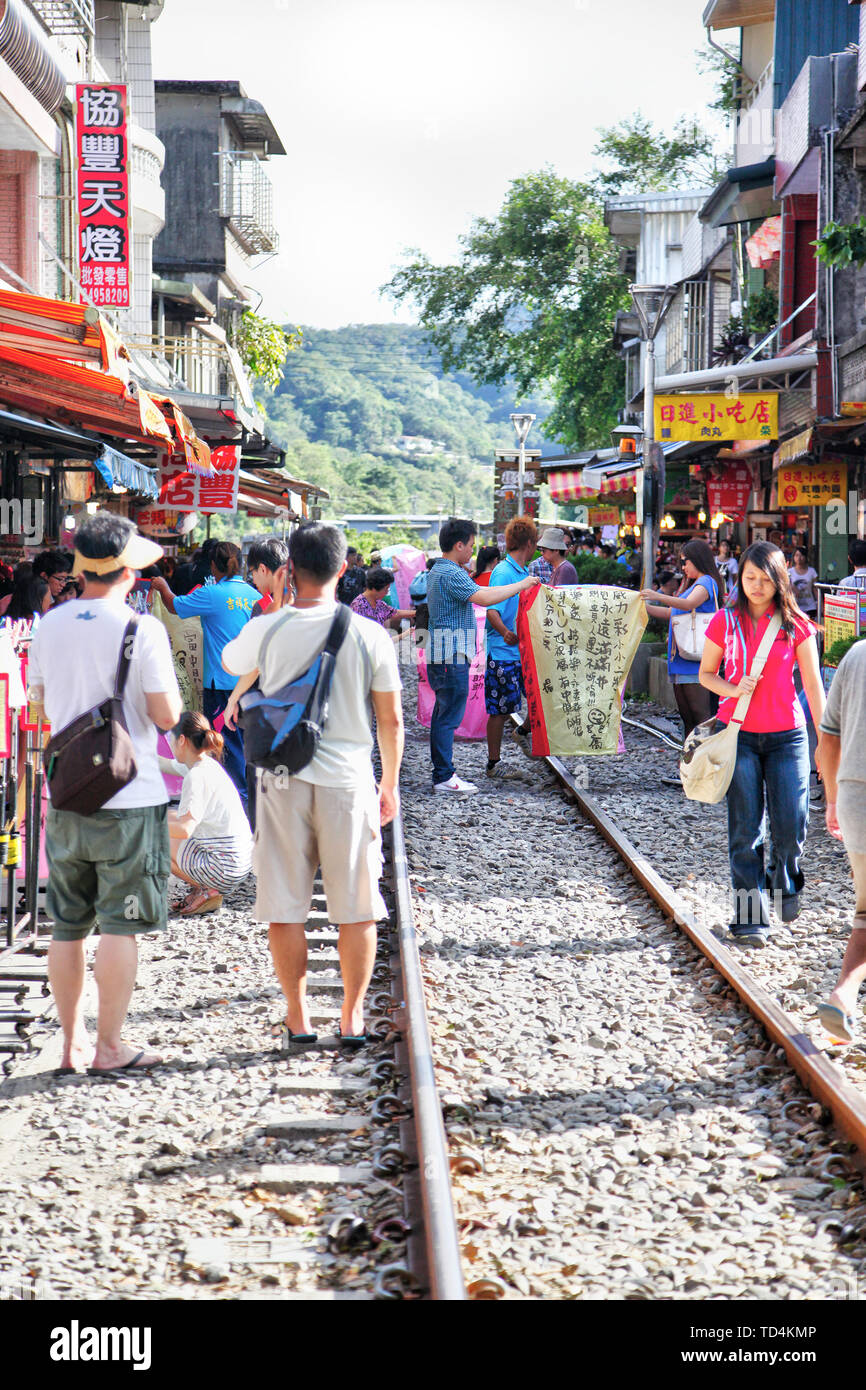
(30, 600)
(771, 777)
(701, 591)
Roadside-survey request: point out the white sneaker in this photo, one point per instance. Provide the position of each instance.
(455, 784)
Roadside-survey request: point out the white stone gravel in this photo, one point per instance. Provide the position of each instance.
(105, 1184)
(622, 1105)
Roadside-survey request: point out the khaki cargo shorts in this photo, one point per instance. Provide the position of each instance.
(110, 869)
(300, 826)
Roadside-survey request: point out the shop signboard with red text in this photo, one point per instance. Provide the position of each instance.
(102, 194)
(181, 491)
(730, 491)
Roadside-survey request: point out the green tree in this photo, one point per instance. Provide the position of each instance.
(264, 346)
(531, 301)
(637, 158)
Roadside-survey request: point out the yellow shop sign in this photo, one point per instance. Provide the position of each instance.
(751, 415)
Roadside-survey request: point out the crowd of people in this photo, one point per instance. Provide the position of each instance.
(265, 622)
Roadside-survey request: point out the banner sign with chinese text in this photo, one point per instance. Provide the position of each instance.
(102, 193)
(813, 486)
(604, 516)
(729, 493)
(751, 415)
(181, 491)
(576, 646)
(841, 616)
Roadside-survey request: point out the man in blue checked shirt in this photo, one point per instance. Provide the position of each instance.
(452, 641)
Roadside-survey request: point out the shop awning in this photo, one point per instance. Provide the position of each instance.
(54, 328)
(65, 360)
(744, 194)
(617, 477)
(119, 470)
(31, 430)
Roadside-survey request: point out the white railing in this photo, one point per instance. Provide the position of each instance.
(66, 16)
(247, 202)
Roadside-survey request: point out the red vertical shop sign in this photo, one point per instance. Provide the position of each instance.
(220, 493)
(102, 193)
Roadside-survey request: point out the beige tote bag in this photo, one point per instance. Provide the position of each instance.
(690, 629)
(709, 758)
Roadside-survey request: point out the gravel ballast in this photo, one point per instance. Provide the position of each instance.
(625, 1126)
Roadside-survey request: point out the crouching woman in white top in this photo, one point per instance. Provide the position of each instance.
(211, 842)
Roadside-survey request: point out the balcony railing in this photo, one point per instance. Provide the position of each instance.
(66, 16)
(247, 202)
(686, 324)
(199, 365)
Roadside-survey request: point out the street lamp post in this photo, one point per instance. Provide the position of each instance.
(651, 303)
(522, 425)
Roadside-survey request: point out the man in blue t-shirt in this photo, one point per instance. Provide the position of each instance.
(452, 642)
(224, 607)
(503, 678)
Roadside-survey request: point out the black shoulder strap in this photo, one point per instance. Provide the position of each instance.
(339, 628)
(125, 658)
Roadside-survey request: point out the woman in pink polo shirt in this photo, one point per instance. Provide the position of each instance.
(772, 771)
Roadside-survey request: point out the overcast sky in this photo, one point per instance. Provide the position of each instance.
(404, 119)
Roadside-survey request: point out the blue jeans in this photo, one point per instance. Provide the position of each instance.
(214, 702)
(450, 683)
(776, 765)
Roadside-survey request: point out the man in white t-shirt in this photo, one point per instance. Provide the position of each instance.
(110, 868)
(330, 812)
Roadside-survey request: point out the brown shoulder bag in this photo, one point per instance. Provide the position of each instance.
(92, 759)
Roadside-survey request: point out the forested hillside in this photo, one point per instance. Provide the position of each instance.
(366, 412)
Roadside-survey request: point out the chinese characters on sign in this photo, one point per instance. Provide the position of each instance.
(841, 616)
(751, 415)
(813, 486)
(576, 647)
(730, 492)
(180, 491)
(102, 194)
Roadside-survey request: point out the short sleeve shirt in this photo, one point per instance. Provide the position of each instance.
(378, 613)
(366, 661)
(774, 707)
(73, 660)
(508, 571)
(449, 595)
(224, 609)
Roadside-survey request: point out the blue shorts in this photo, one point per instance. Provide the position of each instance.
(503, 687)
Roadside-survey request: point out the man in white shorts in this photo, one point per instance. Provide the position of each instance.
(330, 812)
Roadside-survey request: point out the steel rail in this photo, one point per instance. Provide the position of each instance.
(845, 1102)
(444, 1262)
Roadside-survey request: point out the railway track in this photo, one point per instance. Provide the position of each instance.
(845, 1102)
(338, 1186)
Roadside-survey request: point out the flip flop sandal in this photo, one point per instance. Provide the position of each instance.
(838, 1024)
(131, 1065)
(352, 1040)
(290, 1040)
